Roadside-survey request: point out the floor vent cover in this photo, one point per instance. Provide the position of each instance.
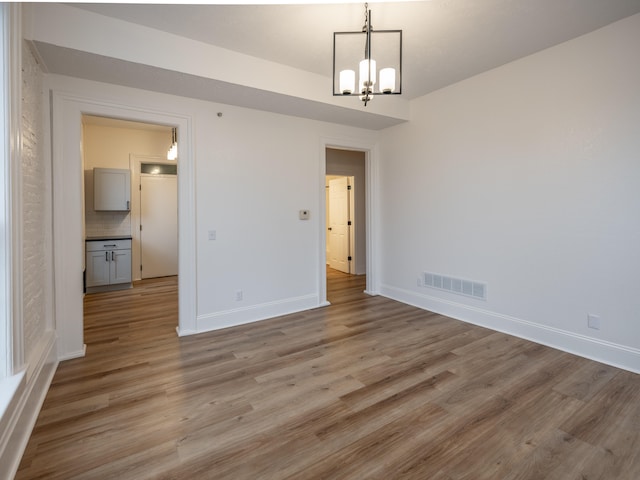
(456, 285)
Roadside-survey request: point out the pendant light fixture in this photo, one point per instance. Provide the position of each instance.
(354, 51)
(172, 154)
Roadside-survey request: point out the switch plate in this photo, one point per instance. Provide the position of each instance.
(212, 234)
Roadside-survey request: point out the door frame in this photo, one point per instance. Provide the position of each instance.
(144, 262)
(370, 150)
(68, 238)
(135, 162)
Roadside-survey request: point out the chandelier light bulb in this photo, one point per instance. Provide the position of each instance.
(172, 154)
(387, 80)
(347, 81)
(365, 75)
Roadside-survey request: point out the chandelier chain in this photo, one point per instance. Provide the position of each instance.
(366, 14)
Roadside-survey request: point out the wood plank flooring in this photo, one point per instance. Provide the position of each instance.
(367, 388)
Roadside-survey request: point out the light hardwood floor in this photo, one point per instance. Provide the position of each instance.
(367, 388)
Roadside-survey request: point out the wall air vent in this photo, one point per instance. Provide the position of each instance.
(459, 286)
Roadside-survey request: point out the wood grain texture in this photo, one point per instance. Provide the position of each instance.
(366, 388)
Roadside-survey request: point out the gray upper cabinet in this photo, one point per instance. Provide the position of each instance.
(111, 189)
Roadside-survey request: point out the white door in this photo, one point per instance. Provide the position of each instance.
(158, 225)
(338, 224)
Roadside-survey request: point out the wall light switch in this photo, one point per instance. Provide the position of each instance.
(304, 214)
(212, 234)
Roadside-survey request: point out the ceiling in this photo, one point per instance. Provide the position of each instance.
(118, 123)
(444, 42)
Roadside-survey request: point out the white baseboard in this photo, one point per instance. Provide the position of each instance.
(184, 332)
(77, 354)
(602, 351)
(254, 313)
(27, 394)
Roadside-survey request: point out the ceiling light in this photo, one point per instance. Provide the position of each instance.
(354, 51)
(172, 154)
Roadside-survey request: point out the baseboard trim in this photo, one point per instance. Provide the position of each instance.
(20, 416)
(184, 332)
(76, 354)
(254, 313)
(613, 354)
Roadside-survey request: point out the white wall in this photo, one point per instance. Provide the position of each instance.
(109, 147)
(252, 172)
(526, 177)
(255, 172)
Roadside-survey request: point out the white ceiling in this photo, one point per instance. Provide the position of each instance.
(445, 41)
(118, 123)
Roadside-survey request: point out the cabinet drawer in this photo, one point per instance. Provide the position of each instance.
(103, 245)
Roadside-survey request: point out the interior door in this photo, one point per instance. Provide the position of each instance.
(158, 225)
(338, 224)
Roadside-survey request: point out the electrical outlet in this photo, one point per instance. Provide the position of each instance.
(419, 281)
(593, 321)
(238, 295)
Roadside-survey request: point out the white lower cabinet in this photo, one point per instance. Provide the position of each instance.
(108, 263)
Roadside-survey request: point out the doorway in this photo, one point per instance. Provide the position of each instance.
(107, 143)
(123, 144)
(158, 226)
(156, 235)
(68, 207)
(346, 214)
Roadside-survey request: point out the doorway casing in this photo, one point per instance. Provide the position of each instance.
(370, 150)
(66, 118)
(136, 161)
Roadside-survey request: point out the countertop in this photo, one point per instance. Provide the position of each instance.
(108, 237)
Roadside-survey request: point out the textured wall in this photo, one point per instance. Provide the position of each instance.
(34, 197)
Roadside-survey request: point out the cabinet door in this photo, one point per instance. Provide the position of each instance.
(98, 265)
(111, 189)
(120, 266)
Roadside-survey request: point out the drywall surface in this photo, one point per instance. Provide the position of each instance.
(243, 175)
(526, 178)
